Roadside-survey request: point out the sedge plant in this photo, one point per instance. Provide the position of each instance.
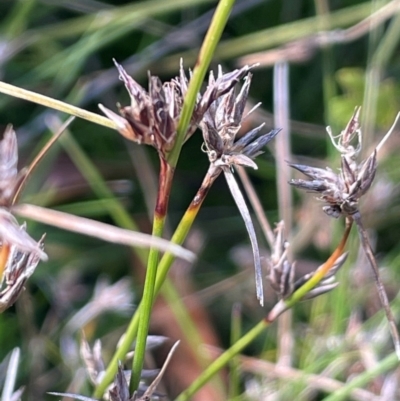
(164, 117)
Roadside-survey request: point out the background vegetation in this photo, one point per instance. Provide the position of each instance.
(64, 49)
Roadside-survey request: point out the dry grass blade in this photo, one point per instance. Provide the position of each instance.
(75, 396)
(300, 50)
(149, 392)
(100, 230)
(244, 211)
(11, 376)
(34, 97)
(386, 137)
(40, 156)
(379, 285)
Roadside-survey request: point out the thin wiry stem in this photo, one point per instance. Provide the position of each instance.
(40, 156)
(285, 205)
(244, 211)
(356, 217)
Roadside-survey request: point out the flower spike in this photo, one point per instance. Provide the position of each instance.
(152, 117)
(220, 125)
(342, 192)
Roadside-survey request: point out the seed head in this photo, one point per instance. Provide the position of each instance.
(119, 390)
(222, 122)
(153, 116)
(282, 271)
(220, 125)
(341, 191)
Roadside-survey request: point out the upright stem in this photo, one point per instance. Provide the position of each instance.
(165, 183)
(207, 50)
(218, 22)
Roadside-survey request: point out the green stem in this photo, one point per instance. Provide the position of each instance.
(162, 271)
(165, 183)
(222, 361)
(153, 281)
(236, 331)
(204, 58)
(279, 308)
(211, 40)
(390, 362)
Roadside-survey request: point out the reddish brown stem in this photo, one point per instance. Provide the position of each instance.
(164, 187)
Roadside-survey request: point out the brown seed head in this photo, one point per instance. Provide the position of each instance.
(152, 117)
(341, 191)
(281, 271)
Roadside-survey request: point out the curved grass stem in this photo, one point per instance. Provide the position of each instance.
(280, 307)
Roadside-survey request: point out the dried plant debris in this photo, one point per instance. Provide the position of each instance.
(8, 376)
(153, 116)
(10, 178)
(117, 297)
(93, 361)
(19, 254)
(119, 391)
(220, 125)
(343, 190)
(19, 267)
(282, 271)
